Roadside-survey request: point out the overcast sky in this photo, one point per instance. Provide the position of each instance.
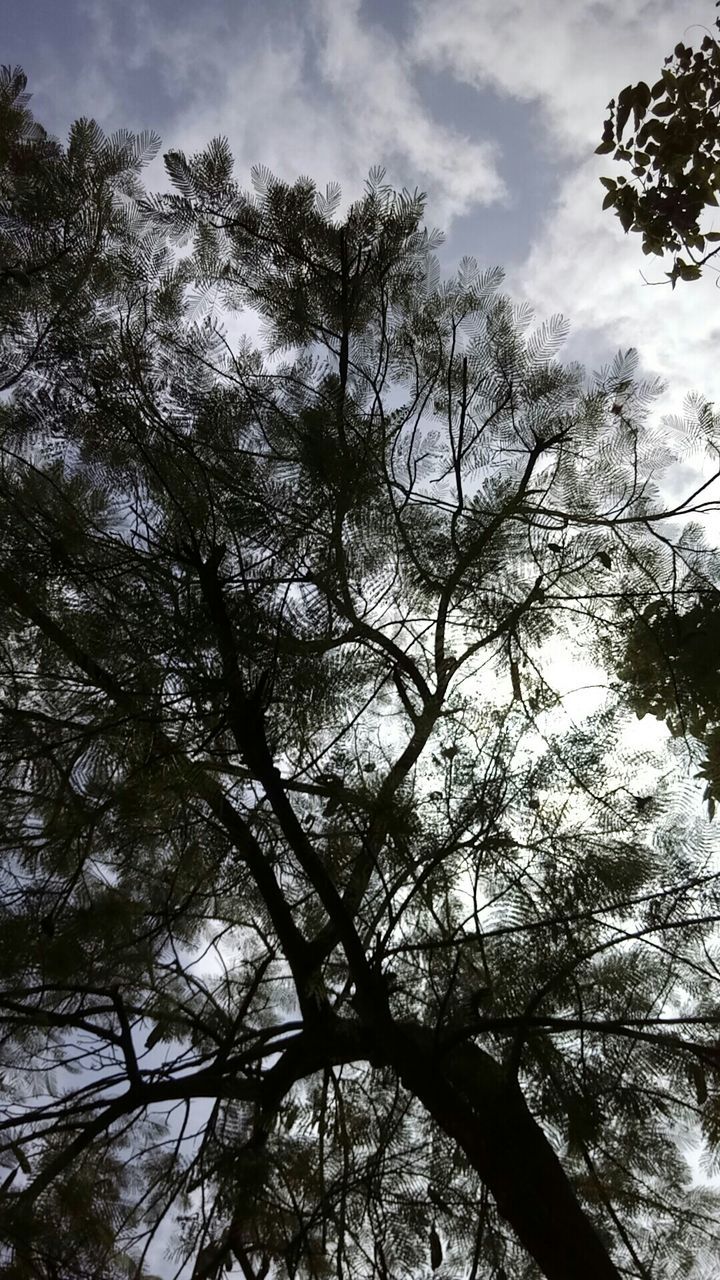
(493, 107)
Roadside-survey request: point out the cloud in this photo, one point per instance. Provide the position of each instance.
(584, 265)
(316, 90)
(383, 117)
(569, 59)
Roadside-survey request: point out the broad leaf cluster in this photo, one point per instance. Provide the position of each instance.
(672, 670)
(673, 153)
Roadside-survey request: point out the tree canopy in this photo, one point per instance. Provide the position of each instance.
(335, 938)
(673, 153)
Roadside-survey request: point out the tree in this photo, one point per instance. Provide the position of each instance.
(329, 938)
(674, 157)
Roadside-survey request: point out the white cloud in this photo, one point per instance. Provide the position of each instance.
(583, 265)
(569, 58)
(320, 92)
(383, 115)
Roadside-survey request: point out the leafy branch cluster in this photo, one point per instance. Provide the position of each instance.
(674, 157)
(671, 667)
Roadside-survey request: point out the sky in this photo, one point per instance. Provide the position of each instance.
(493, 107)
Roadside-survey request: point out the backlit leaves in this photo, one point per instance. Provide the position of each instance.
(673, 156)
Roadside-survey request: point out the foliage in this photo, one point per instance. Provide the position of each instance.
(334, 939)
(673, 153)
(671, 665)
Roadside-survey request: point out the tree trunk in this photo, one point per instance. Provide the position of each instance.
(469, 1095)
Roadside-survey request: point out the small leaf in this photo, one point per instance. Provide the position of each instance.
(610, 183)
(640, 102)
(624, 107)
(650, 129)
(436, 1253)
(604, 149)
(627, 217)
(21, 1158)
(154, 1037)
